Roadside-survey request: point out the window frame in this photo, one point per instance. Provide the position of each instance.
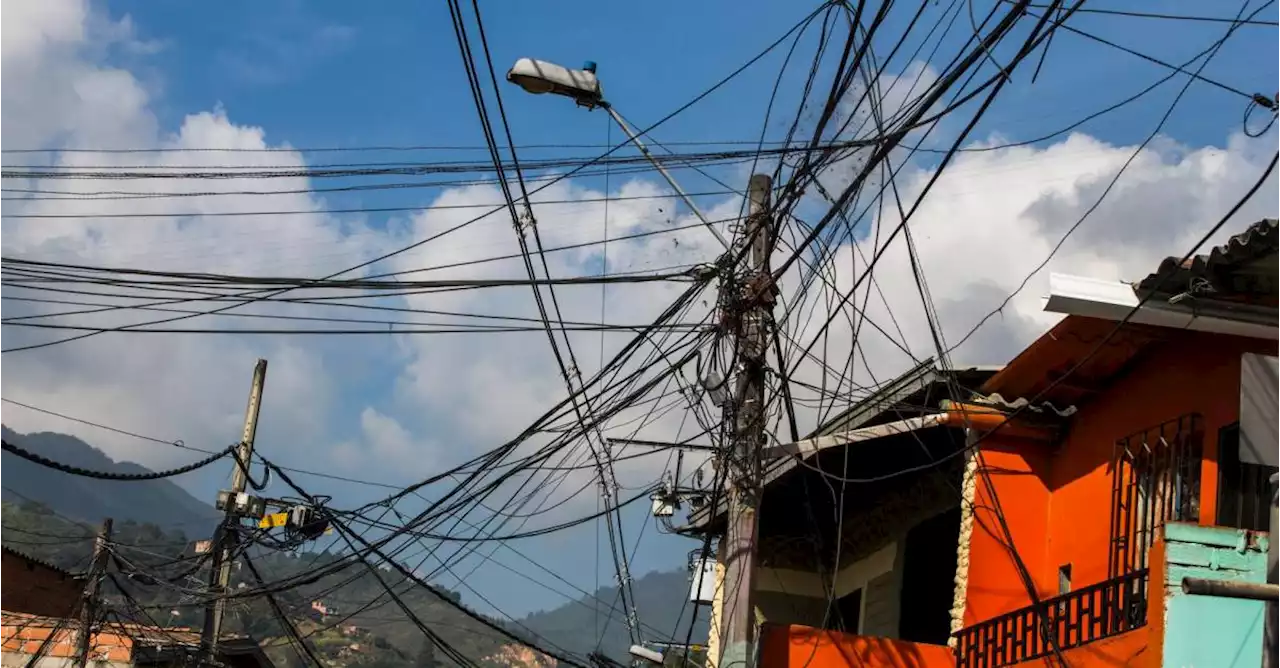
(1156, 478)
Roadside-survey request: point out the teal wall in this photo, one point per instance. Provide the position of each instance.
(1209, 631)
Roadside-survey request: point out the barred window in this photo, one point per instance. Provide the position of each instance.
(1156, 480)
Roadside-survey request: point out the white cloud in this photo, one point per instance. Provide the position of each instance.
(385, 441)
(990, 219)
(173, 386)
(994, 216)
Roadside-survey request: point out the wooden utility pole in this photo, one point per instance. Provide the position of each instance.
(89, 602)
(225, 538)
(750, 322)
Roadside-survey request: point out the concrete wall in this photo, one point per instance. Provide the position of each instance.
(1184, 630)
(787, 596)
(792, 608)
(994, 585)
(881, 605)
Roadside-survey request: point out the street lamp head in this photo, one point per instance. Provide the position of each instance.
(646, 655)
(539, 77)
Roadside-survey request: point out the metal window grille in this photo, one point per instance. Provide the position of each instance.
(1156, 480)
(1090, 613)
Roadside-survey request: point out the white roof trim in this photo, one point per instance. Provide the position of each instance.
(1114, 300)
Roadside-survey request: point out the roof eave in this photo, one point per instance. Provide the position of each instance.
(40, 562)
(856, 417)
(1117, 301)
(906, 384)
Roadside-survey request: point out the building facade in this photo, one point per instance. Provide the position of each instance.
(35, 587)
(1050, 509)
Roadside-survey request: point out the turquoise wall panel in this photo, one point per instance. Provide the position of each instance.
(1209, 631)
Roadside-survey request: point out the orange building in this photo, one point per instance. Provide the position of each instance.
(999, 517)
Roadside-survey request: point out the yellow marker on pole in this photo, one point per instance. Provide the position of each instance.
(273, 521)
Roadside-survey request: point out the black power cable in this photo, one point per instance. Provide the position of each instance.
(104, 475)
(374, 549)
(292, 631)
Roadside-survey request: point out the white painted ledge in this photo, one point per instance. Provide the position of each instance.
(1114, 300)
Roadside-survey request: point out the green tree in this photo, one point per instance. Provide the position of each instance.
(35, 507)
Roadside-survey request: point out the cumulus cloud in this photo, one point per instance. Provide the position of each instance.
(385, 440)
(400, 406)
(175, 387)
(995, 216)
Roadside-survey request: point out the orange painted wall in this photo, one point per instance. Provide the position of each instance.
(804, 647)
(1017, 469)
(1154, 656)
(1069, 522)
(1139, 648)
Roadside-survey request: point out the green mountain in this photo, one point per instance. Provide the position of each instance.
(366, 629)
(660, 601)
(156, 501)
(55, 515)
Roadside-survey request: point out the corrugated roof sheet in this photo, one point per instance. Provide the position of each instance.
(1244, 267)
(885, 403)
(40, 562)
(1023, 404)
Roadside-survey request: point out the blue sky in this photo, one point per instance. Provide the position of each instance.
(367, 74)
(337, 74)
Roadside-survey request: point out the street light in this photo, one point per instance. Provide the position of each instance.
(646, 655)
(540, 77)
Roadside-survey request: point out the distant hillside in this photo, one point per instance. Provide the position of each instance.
(660, 603)
(363, 627)
(376, 625)
(156, 501)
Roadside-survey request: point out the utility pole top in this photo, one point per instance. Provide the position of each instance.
(225, 537)
(737, 638)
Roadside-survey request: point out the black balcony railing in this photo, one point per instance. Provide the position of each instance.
(1091, 613)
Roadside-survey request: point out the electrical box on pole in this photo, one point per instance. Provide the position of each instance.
(236, 504)
(702, 576)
